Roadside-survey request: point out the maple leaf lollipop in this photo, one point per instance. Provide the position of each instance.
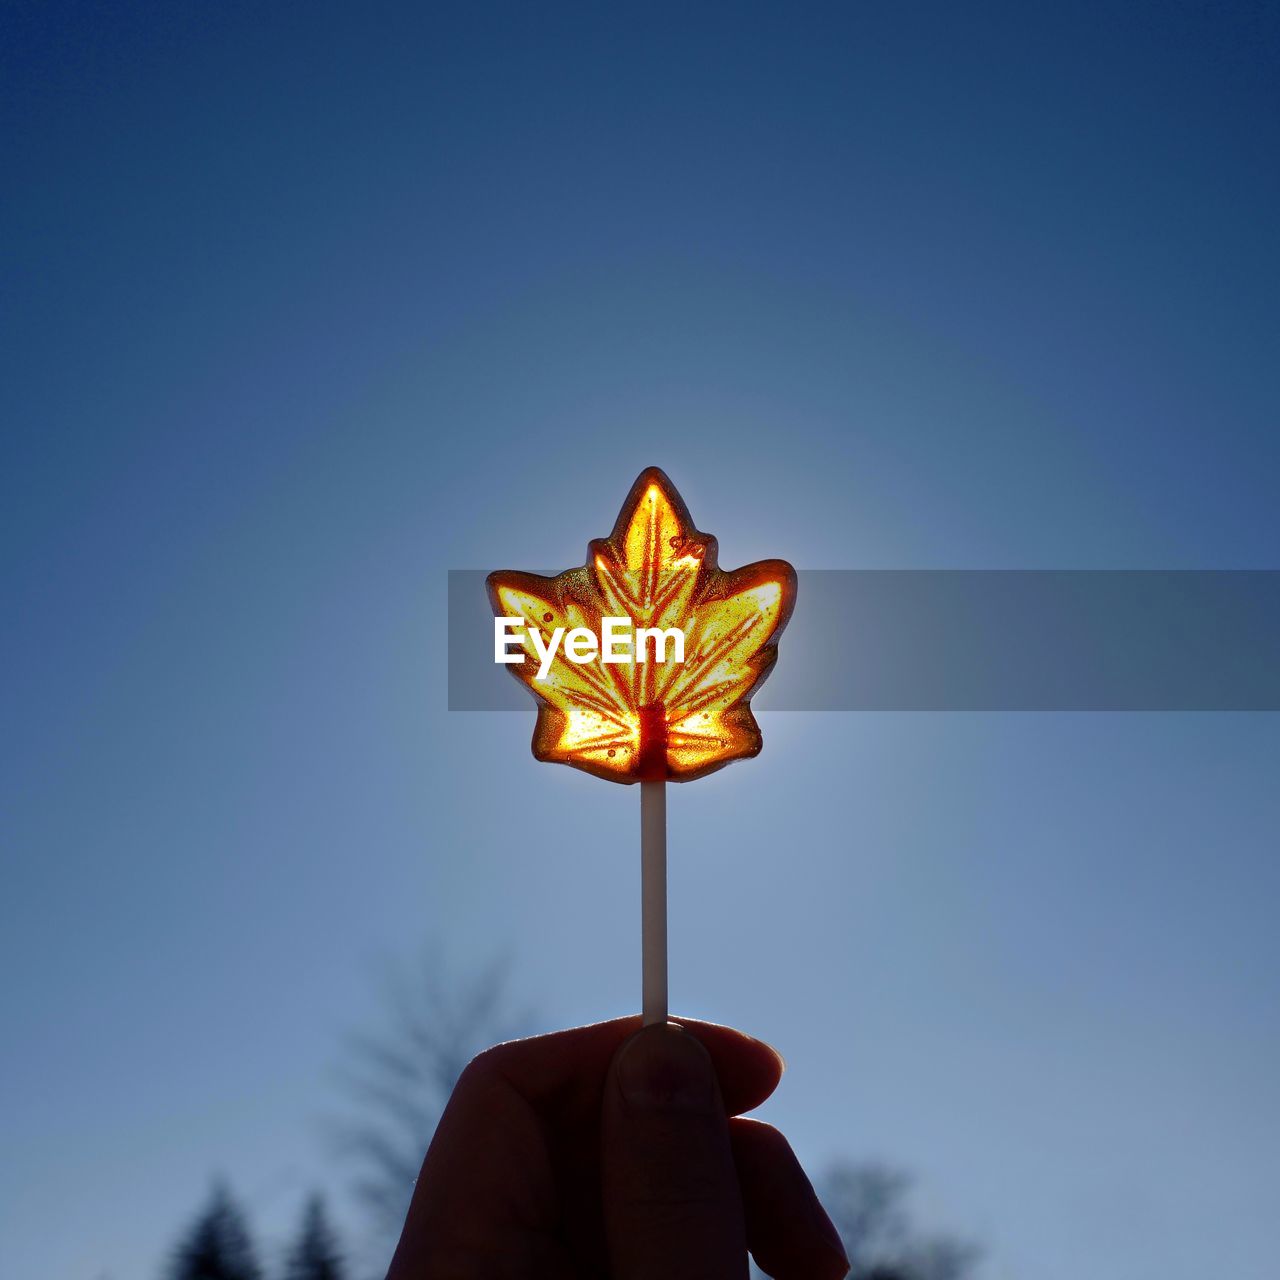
(643, 662)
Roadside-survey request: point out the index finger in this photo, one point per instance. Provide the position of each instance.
(566, 1069)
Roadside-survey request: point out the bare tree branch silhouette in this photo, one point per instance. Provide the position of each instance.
(398, 1076)
(868, 1203)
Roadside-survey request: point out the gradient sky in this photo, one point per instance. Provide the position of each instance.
(304, 305)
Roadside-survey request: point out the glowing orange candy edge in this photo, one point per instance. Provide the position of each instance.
(579, 589)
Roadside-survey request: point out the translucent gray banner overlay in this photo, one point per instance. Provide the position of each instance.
(979, 640)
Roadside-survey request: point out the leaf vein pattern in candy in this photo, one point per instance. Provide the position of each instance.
(640, 718)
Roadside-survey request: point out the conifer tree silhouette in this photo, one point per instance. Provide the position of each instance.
(217, 1244)
(315, 1254)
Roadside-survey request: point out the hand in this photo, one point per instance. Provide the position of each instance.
(613, 1153)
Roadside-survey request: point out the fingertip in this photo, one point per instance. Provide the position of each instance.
(788, 1230)
(779, 1060)
(665, 1067)
(749, 1069)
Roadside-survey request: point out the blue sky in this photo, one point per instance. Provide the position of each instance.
(304, 306)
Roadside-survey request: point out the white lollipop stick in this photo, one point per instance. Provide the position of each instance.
(653, 899)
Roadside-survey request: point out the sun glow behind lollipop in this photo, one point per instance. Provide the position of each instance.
(643, 662)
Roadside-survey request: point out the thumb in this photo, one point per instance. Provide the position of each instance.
(672, 1207)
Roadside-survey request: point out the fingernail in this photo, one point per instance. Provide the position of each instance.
(664, 1068)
